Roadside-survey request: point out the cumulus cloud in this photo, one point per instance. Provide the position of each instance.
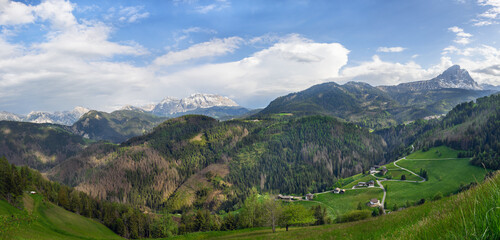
(378, 72)
(461, 36)
(13, 13)
(72, 65)
(481, 61)
(215, 47)
(292, 64)
(390, 49)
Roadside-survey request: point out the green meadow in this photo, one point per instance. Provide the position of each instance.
(473, 214)
(43, 220)
(446, 174)
(338, 204)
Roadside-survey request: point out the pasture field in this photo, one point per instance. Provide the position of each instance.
(48, 221)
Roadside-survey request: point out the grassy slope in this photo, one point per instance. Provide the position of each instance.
(444, 176)
(357, 179)
(434, 153)
(53, 222)
(338, 204)
(469, 215)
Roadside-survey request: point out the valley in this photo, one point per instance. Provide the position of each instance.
(196, 173)
(240, 119)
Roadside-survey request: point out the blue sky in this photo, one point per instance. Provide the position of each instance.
(58, 54)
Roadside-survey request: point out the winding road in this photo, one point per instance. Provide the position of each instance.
(379, 182)
(385, 179)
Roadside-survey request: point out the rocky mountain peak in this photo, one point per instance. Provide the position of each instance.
(172, 105)
(456, 77)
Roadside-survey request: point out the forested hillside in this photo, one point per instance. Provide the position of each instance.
(123, 219)
(470, 126)
(368, 106)
(40, 146)
(117, 126)
(280, 154)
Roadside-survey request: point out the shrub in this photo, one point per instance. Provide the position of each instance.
(437, 196)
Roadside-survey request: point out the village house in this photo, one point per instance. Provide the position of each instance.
(309, 196)
(338, 190)
(371, 183)
(373, 170)
(374, 202)
(32, 192)
(289, 198)
(362, 184)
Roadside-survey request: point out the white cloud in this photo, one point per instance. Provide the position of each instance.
(462, 37)
(215, 47)
(132, 14)
(58, 13)
(217, 5)
(377, 72)
(482, 62)
(292, 64)
(71, 66)
(13, 13)
(390, 49)
(491, 15)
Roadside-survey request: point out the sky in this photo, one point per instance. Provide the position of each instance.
(57, 54)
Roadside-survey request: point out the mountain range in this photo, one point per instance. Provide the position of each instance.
(300, 143)
(383, 106)
(208, 104)
(64, 117)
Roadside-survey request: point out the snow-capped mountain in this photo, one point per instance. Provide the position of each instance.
(171, 105)
(10, 116)
(64, 117)
(453, 77)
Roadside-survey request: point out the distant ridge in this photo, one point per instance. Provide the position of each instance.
(382, 106)
(453, 77)
(64, 117)
(170, 105)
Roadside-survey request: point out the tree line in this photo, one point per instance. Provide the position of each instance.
(123, 219)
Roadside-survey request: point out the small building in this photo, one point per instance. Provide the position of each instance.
(289, 198)
(338, 190)
(362, 184)
(373, 170)
(32, 192)
(383, 171)
(309, 196)
(371, 183)
(374, 202)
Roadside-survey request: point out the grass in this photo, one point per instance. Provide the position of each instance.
(338, 204)
(444, 176)
(397, 173)
(360, 178)
(49, 221)
(433, 153)
(474, 214)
